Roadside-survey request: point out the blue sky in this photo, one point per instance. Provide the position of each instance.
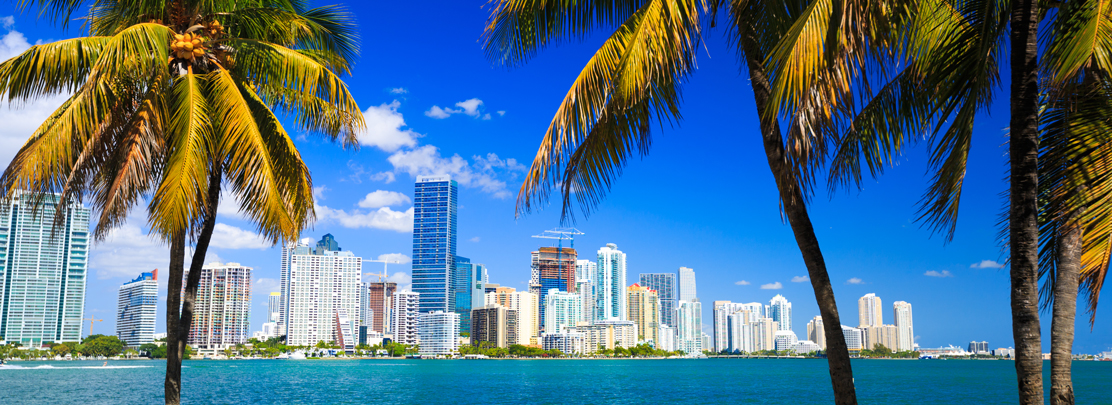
(703, 198)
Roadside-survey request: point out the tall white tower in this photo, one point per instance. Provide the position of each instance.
(780, 310)
(905, 333)
(610, 284)
(869, 311)
(687, 285)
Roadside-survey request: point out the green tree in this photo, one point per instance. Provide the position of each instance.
(171, 98)
(148, 348)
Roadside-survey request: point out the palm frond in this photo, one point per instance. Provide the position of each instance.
(1081, 35)
(56, 67)
(180, 198)
(517, 29)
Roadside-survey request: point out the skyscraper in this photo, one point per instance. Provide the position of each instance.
(884, 335)
(380, 296)
(137, 307)
(687, 285)
(561, 310)
(317, 284)
(905, 333)
(525, 303)
(222, 313)
(855, 338)
(467, 290)
(42, 269)
(438, 332)
(273, 307)
(403, 324)
(869, 311)
(689, 327)
(780, 310)
(816, 333)
(554, 268)
(434, 240)
(610, 297)
(494, 324)
(585, 273)
(665, 286)
(644, 310)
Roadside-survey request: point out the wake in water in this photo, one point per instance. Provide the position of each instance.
(49, 367)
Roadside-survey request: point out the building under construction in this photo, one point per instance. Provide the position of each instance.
(553, 267)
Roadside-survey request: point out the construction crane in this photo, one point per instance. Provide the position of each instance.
(385, 274)
(91, 320)
(560, 234)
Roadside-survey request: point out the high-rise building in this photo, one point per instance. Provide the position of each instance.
(565, 342)
(316, 285)
(273, 307)
(722, 311)
(493, 324)
(43, 266)
(561, 310)
(525, 303)
(665, 286)
(607, 335)
(687, 285)
(780, 310)
(585, 273)
(222, 312)
(403, 323)
(667, 339)
(347, 332)
(884, 335)
(905, 333)
(552, 268)
(976, 347)
(366, 313)
(816, 333)
(855, 338)
(784, 340)
(869, 311)
(137, 308)
(644, 310)
(739, 332)
(764, 334)
(689, 327)
(610, 291)
(438, 333)
(434, 240)
(380, 299)
(468, 284)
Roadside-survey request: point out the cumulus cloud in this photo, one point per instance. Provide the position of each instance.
(501, 113)
(475, 239)
(772, 286)
(855, 280)
(386, 128)
(382, 218)
(383, 198)
(800, 279)
(471, 107)
(742, 282)
(399, 90)
(265, 286)
(944, 273)
(126, 252)
(229, 237)
(20, 118)
(986, 264)
(405, 282)
(397, 258)
(426, 160)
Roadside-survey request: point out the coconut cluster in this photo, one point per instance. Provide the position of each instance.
(188, 46)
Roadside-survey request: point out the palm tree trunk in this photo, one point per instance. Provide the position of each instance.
(1065, 309)
(1023, 221)
(185, 321)
(175, 341)
(791, 196)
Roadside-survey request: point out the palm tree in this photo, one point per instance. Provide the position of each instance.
(171, 99)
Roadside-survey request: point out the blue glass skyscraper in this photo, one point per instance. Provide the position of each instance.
(434, 241)
(468, 286)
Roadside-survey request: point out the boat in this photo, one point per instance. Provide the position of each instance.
(283, 356)
(297, 356)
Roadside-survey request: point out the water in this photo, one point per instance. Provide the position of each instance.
(794, 381)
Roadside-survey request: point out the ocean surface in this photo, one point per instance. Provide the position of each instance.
(774, 381)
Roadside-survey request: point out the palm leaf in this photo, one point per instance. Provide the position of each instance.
(179, 200)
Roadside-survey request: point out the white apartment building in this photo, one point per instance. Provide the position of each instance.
(687, 285)
(565, 342)
(437, 332)
(585, 273)
(667, 338)
(525, 303)
(222, 313)
(785, 340)
(607, 334)
(780, 310)
(905, 332)
(610, 284)
(816, 333)
(561, 310)
(855, 338)
(405, 317)
(137, 308)
(317, 284)
(689, 326)
(869, 311)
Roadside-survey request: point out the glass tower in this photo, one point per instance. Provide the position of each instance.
(665, 286)
(434, 241)
(137, 308)
(42, 269)
(468, 286)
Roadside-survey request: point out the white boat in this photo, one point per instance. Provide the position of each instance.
(297, 356)
(283, 356)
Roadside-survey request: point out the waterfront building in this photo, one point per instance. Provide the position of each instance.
(739, 332)
(525, 303)
(380, 302)
(565, 342)
(784, 340)
(494, 324)
(780, 310)
(269, 330)
(222, 311)
(561, 310)
(687, 285)
(880, 335)
(976, 347)
(610, 293)
(347, 332)
(585, 273)
(869, 311)
(667, 338)
(434, 240)
(43, 269)
(552, 269)
(316, 285)
(707, 342)
(468, 286)
(403, 323)
(273, 307)
(805, 346)
(137, 307)
(607, 335)
(723, 310)
(1010, 353)
(905, 332)
(855, 338)
(437, 332)
(665, 286)
(816, 333)
(644, 310)
(764, 334)
(689, 326)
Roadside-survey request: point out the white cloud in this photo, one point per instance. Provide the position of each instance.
(229, 237)
(501, 113)
(229, 207)
(471, 107)
(385, 128)
(772, 286)
(486, 116)
(944, 273)
(854, 280)
(399, 90)
(426, 160)
(475, 239)
(440, 113)
(800, 279)
(397, 258)
(382, 218)
(986, 264)
(126, 252)
(265, 286)
(23, 117)
(742, 282)
(405, 282)
(383, 198)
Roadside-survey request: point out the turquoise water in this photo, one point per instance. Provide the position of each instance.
(531, 381)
